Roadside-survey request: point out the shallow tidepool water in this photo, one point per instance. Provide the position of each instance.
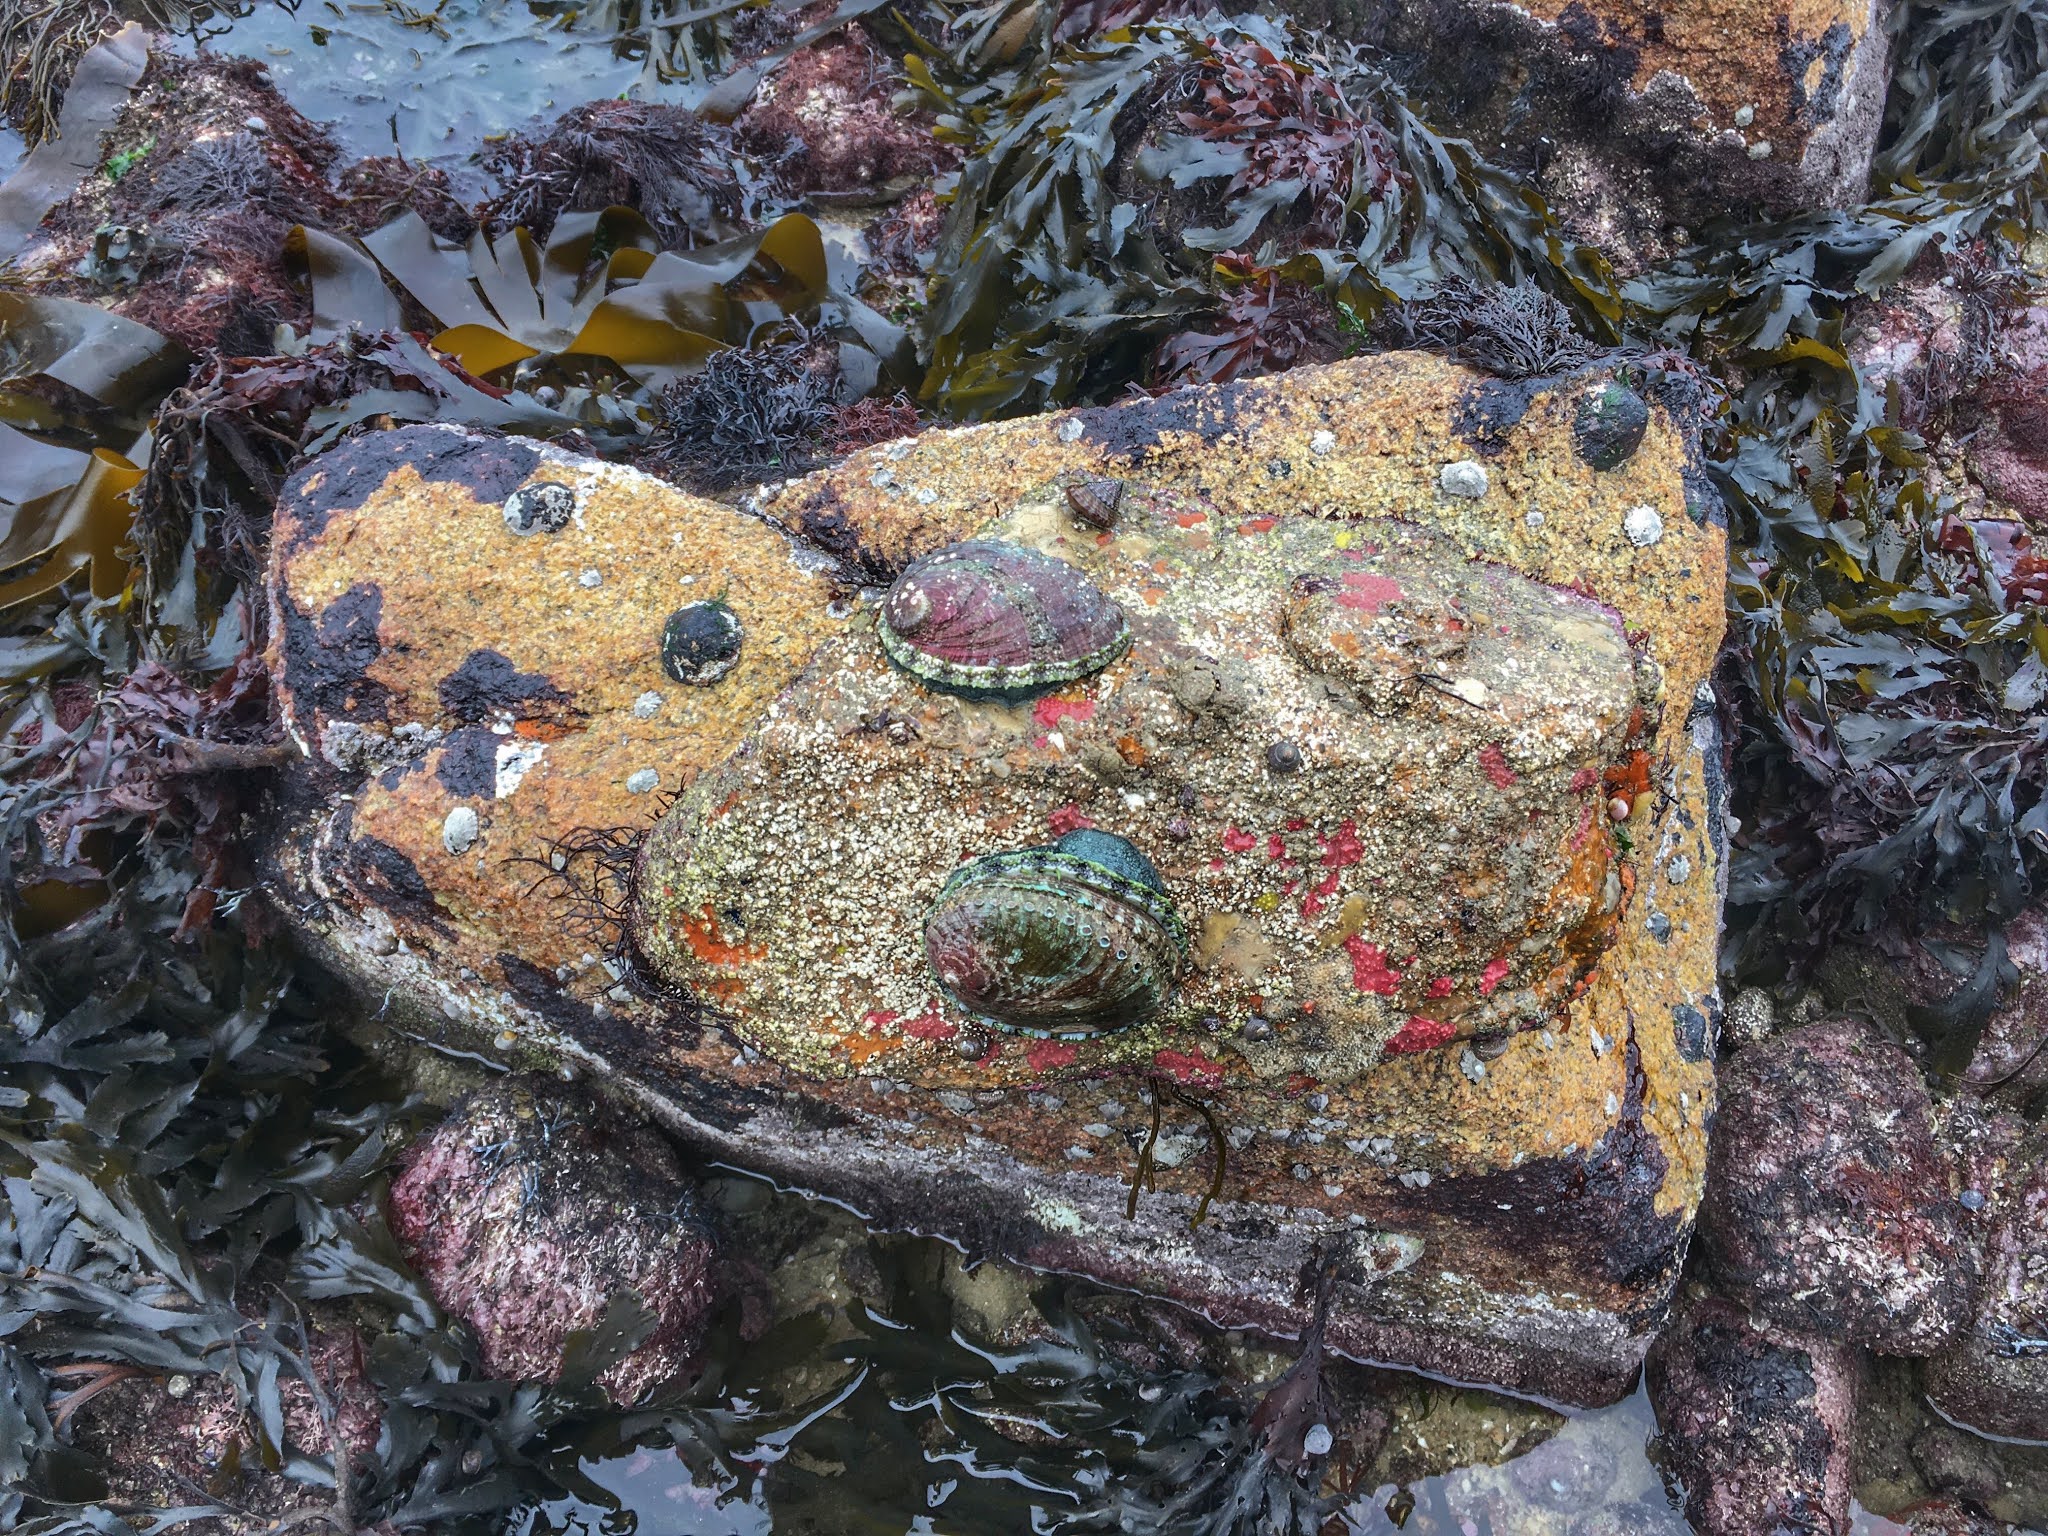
(437, 81)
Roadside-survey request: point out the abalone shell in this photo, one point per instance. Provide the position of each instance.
(1069, 941)
(998, 621)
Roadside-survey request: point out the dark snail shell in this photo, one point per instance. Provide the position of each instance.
(701, 642)
(1096, 502)
(997, 621)
(1610, 425)
(1073, 940)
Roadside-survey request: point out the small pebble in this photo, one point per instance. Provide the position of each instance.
(179, 1385)
(1318, 1440)
(642, 782)
(1643, 526)
(1070, 430)
(459, 831)
(1467, 477)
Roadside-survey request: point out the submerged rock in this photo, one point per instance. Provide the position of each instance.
(527, 1213)
(1756, 1422)
(1441, 1006)
(1827, 1206)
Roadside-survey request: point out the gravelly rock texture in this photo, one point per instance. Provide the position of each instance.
(1828, 1208)
(1518, 1191)
(1756, 1422)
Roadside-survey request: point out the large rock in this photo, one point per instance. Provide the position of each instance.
(1490, 1005)
(527, 1215)
(1642, 123)
(1756, 1422)
(1828, 1209)
(1994, 1377)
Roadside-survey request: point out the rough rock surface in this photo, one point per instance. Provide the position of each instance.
(1756, 1422)
(1337, 902)
(1828, 1209)
(527, 1213)
(1994, 1377)
(1637, 122)
(1533, 1190)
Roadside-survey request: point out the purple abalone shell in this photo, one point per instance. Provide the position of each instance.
(994, 620)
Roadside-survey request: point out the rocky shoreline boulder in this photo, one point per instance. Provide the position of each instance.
(1756, 1421)
(1641, 124)
(1451, 903)
(1828, 1209)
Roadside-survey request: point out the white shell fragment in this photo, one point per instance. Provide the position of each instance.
(642, 782)
(459, 831)
(1466, 477)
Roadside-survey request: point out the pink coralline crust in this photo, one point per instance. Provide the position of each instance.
(1188, 1066)
(1050, 711)
(1420, 1034)
(1495, 763)
(1065, 819)
(929, 1025)
(1235, 841)
(1369, 969)
(1344, 849)
(1366, 591)
(1049, 1055)
(525, 1216)
(1495, 973)
(1319, 894)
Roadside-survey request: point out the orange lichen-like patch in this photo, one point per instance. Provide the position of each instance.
(1630, 777)
(861, 1046)
(700, 933)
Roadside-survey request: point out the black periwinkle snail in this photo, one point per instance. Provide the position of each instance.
(701, 643)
